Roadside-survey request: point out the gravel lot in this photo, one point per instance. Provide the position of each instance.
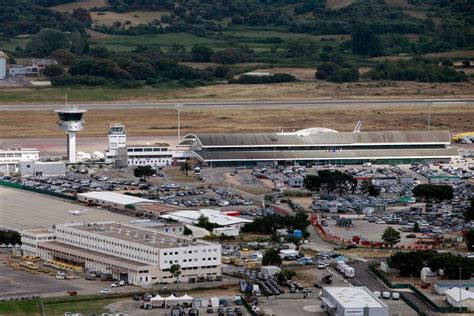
(25, 210)
(366, 230)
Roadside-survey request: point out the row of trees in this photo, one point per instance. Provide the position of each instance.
(415, 69)
(330, 180)
(434, 191)
(271, 223)
(411, 263)
(276, 78)
(9, 237)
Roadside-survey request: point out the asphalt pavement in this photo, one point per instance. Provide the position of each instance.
(365, 278)
(239, 104)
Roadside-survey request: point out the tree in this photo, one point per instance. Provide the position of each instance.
(312, 182)
(62, 56)
(201, 53)
(82, 15)
(185, 167)
(187, 231)
(271, 258)
(416, 228)
(203, 222)
(469, 213)
(470, 240)
(46, 41)
(79, 43)
(365, 41)
(143, 172)
(390, 236)
(53, 71)
(439, 192)
(175, 270)
(373, 190)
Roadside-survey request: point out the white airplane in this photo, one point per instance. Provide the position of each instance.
(77, 212)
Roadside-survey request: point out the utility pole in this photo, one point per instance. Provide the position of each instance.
(429, 116)
(178, 107)
(460, 291)
(274, 140)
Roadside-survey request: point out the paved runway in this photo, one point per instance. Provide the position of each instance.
(239, 104)
(25, 210)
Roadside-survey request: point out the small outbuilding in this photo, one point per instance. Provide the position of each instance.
(460, 298)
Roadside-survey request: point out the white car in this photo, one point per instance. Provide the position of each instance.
(377, 293)
(322, 266)
(395, 296)
(386, 294)
(380, 222)
(115, 284)
(121, 283)
(105, 291)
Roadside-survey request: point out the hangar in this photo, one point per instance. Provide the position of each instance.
(321, 146)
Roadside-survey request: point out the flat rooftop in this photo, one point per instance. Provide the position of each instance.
(113, 197)
(354, 297)
(135, 234)
(216, 217)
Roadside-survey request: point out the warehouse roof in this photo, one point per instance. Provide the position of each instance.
(325, 155)
(117, 198)
(214, 216)
(272, 139)
(354, 297)
(459, 295)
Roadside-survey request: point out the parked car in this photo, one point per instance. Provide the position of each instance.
(105, 291)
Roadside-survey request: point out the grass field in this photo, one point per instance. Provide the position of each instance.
(285, 91)
(84, 4)
(235, 120)
(134, 17)
(30, 307)
(130, 42)
(85, 307)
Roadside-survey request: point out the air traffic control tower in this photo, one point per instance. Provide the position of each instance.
(70, 120)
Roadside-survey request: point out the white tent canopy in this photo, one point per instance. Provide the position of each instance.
(186, 299)
(157, 298)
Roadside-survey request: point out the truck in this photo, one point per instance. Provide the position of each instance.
(349, 272)
(339, 264)
(464, 138)
(256, 290)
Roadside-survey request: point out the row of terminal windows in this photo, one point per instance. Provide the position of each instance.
(146, 149)
(188, 252)
(190, 260)
(10, 155)
(150, 156)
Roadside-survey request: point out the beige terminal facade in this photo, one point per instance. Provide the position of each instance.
(138, 255)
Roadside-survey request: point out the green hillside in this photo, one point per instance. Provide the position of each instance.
(136, 42)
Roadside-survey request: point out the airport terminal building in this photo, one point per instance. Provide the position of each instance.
(320, 147)
(139, 255)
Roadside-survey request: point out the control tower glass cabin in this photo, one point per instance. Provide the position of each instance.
(70, 120)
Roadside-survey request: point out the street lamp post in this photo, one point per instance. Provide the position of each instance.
(460, 292)
(274, 140)
(179, 107)
(429, 116)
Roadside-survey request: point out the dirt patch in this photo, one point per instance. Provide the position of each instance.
(337, 4)
(83, 4)
(97, 35)
(453, 54)
(133, 18)
(306, 74)
(398, 3)
(205, 65)
(260, 119)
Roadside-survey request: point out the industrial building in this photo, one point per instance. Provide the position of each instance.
(122, 155)
(457, 297)
(3, 65)
(441, 286)
(214, 217)
(43, 168)
(316, 146)
(10, 159)
(112, 200)
(140, 256)
(149, 155)
(354, 301)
